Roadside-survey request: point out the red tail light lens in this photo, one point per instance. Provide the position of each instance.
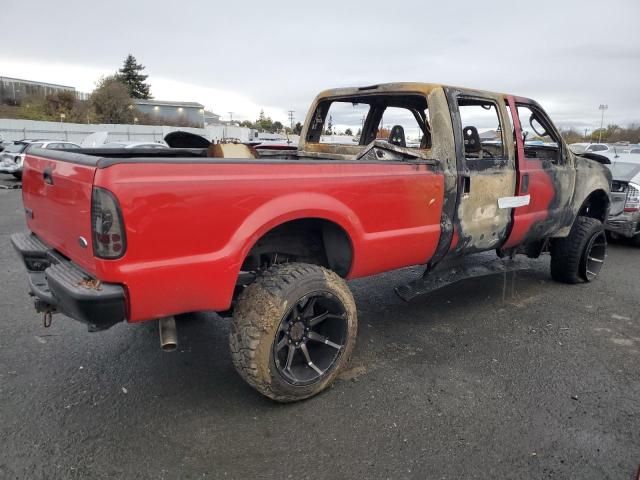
(632, 203)
(109, 240)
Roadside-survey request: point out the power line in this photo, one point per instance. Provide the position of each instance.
(291, 117)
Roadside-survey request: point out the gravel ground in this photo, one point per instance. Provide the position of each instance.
(509, 376)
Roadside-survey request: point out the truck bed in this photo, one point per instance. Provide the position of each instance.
(191, 220)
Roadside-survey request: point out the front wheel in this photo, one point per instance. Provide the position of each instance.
(581, 255)
(293, 330)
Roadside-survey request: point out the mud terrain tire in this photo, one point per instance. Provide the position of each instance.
(267, 314)
(569, 256)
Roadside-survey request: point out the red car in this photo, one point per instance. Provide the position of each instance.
(127, 235)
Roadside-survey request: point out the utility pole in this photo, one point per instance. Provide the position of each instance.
(602, 108)
(230, 117)
(585, 134)
(291, 117)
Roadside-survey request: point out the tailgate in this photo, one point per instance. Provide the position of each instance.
(57, 201)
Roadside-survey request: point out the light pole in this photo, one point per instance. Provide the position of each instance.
(602, 108)
(62, 117)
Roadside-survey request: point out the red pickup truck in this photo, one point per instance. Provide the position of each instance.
(434, 173)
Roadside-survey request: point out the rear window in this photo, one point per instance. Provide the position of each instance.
(15, 147)
(625, 170)
(343, 124)
(402, 120)
(32, 146)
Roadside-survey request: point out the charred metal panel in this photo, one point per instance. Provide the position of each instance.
(444, 148)
(479, 223)
(552, 183)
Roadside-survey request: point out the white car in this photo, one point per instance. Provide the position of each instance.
(579, 148)
(12, 157)
(135, 145)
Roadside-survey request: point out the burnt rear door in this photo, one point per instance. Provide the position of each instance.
(486, 171)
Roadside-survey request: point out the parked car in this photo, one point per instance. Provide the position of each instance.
(624, 217)
(12, 157)
(135, 145)
(589, 147)
(271, 241)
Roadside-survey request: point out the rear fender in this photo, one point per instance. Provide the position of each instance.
(295, 207)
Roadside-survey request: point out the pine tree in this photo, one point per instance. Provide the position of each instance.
(131, 75)
(330, 126)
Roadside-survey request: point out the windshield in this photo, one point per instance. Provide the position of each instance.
(15, 147)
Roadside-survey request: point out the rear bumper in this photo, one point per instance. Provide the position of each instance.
(6, 167)
(625, 224)
(62, 286)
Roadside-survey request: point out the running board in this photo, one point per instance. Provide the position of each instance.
(470, 268)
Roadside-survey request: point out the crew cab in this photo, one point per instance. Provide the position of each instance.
(438, 173)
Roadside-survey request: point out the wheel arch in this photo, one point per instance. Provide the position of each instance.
(314, 240)
(595, 205)
(317, 218)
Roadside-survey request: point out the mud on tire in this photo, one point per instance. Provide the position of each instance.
(570, 256)
(287, 306)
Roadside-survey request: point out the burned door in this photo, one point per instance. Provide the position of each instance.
(546, 172)
(486, 171)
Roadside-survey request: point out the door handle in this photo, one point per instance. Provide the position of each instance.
(524, 188)
(47, 175)
(466, 184)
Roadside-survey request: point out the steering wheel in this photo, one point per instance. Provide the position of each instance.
(383, 150)
(489, 154)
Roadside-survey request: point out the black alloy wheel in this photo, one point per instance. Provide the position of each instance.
(311, 338)
(594, 256)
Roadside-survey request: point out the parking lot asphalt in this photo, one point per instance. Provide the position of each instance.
(508, 376)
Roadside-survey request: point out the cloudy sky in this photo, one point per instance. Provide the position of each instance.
(242, 56)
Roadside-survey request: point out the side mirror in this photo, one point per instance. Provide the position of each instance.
(533, 121)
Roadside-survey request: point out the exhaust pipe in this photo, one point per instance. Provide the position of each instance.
(168, 334)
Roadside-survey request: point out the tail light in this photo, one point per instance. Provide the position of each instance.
(632, 204)
(106, 224)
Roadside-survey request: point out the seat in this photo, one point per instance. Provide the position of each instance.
(471, 138)
(396, 137)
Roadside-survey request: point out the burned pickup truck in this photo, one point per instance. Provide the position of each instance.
(433, 174)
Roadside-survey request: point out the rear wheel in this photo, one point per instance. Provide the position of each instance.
(581, 255)
(293, 330)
